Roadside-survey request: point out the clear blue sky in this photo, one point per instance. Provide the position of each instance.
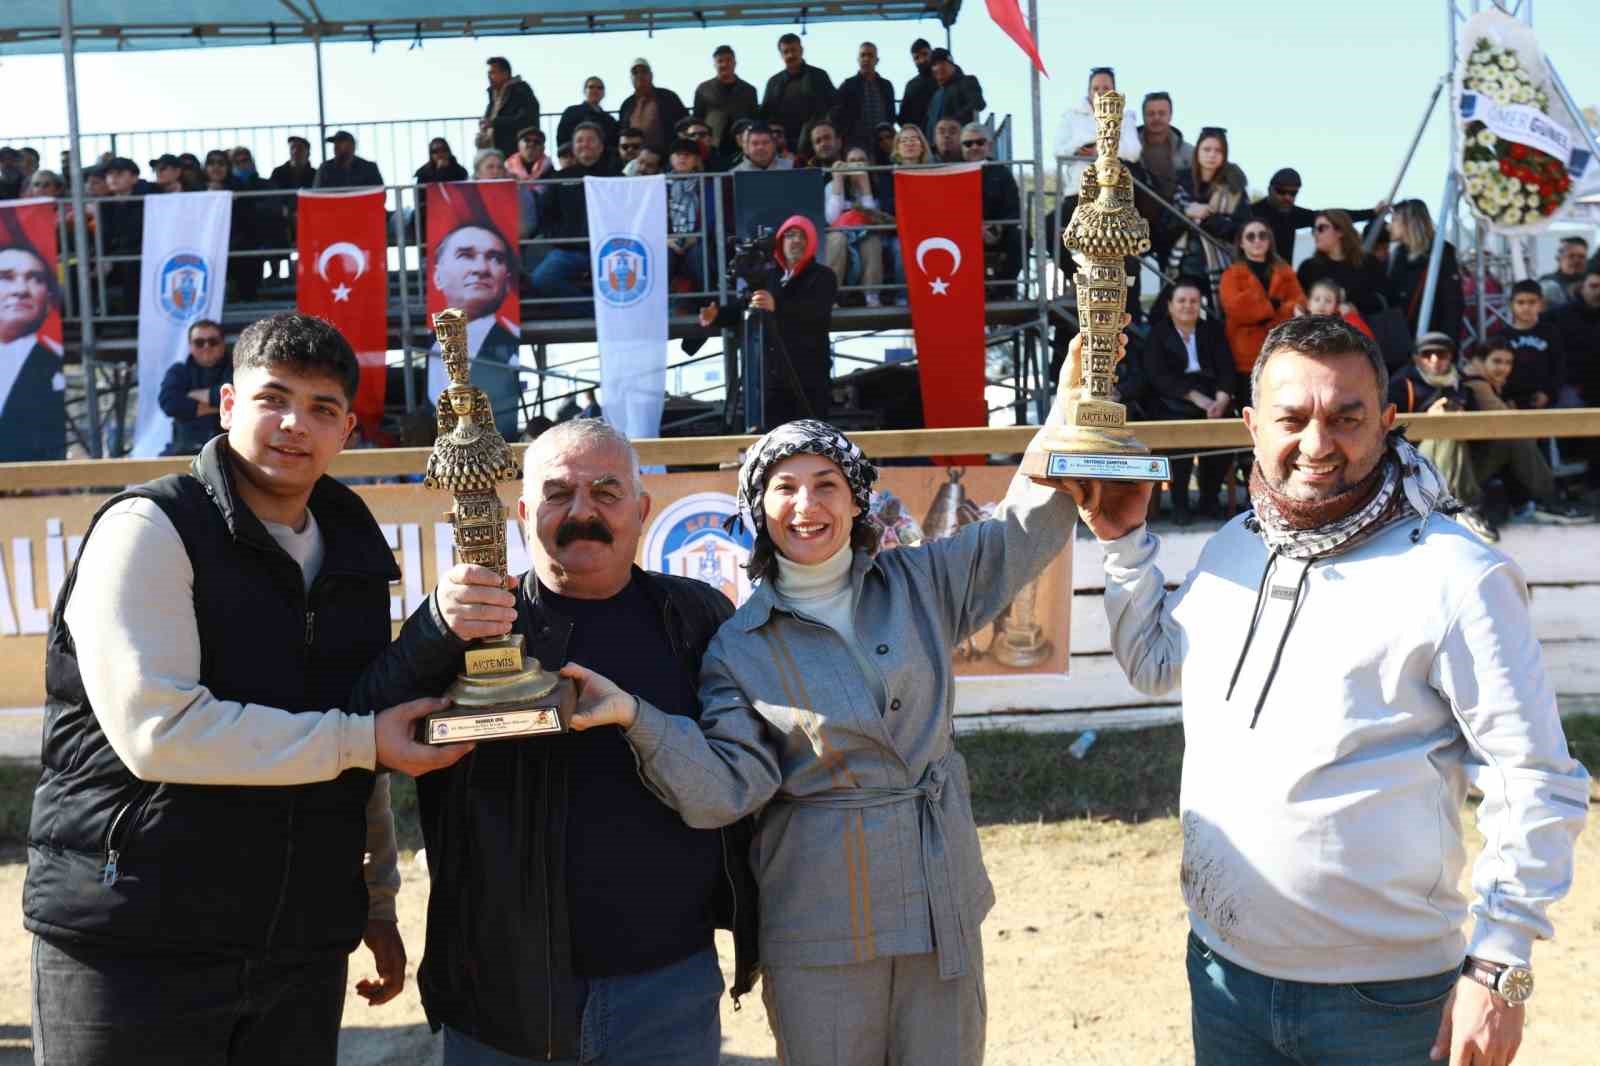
(1332, 89)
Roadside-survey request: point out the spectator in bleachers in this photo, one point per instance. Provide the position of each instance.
(698, 132)
(512, 107)
(883, 138)
(1432, 384)
(194, 174)
(441, 165)
(263, 210)
(821, 146)
(1279, 210)
(1326, 298)
(168, 171)
(530, 163)
(1191, 374)
(1541, 357)
(920, 89)
(346, 170)
(866, 99)
(245, 230)
(297, 173)
(630, 142)
(565, 157)
(645, 164)
(652, 110)
(689, 208)
(780, 140)
(1571, 255)
(1162, 149)
(854, 254)
(94, 182)
(489, 165)
(1258, 291)
(761, 149)
(956, 94)
(1002, 209)
(1211, 195)
(910, 150)
(947, 141)
(122, 232)
(1340, 256)
(46, 183)
(191, 391)
(566, 216)
(1486, 373)
(1578, 322)
(594, 91)
(797, 94)
(724, 99)
(1075, 134)
(10, 173)
(1411, 228)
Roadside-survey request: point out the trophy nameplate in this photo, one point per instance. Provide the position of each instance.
(502, 693)
(1094, 442)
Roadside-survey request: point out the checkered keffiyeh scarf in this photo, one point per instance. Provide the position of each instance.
(807, 436)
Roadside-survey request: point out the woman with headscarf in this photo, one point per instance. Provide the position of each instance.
(826, 705)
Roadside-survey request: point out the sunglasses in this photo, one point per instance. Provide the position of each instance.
(1435, 353)
(206, 342)
(974, 144)
(1257, 235)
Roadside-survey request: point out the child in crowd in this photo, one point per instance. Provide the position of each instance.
(1325, 297)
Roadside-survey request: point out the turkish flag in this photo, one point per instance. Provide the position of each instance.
(939, 214)
(344, 278)
(1007, 14)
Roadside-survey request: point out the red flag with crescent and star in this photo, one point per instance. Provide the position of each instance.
(344, 278)
(939, 214)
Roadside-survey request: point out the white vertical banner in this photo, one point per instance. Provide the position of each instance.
(182, 274)
(628, 251)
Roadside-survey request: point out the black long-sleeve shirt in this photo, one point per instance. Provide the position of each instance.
(1541, 363)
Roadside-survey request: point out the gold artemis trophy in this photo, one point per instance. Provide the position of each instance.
(1094, 442)
(502, 693)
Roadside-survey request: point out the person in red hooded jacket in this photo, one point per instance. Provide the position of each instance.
(799, 292)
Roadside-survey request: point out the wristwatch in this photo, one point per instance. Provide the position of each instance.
(1514, 984)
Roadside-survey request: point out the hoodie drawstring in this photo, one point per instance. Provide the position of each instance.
(1255, 622)
(1277, 655)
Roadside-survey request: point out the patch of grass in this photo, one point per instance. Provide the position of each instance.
(1027, 777)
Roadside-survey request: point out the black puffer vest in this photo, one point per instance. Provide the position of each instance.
(236, 870)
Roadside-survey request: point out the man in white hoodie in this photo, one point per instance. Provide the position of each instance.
(1351, 661)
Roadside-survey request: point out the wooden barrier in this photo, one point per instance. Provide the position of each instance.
(879, 444)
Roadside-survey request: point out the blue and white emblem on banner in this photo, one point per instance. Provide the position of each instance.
(182, 283)
(623, 272)
(688, 540)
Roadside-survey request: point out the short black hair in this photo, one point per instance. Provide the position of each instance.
(788, 38)
(304, 344)
(1319, 336)
(722, 50)
(1481, 349)
(1527, 287)
(1148, 97)
(205, 323)
(1575, 240)
(592, 127)
(631, 131)
(1188, 281)
(921, 45)
(500, 61)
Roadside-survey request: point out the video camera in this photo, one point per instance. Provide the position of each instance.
(752, 256)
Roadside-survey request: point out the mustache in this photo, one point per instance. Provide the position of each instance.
(572, 529)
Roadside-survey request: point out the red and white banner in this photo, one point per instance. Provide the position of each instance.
(32, 384)
(344, 278)
(473, 264)
(939, 214)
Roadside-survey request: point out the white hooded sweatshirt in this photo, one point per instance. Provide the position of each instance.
(1078, 128)
(1322, 799)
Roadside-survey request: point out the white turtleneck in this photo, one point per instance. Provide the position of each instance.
(822, 591)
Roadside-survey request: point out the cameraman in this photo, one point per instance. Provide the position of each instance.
(798, 293)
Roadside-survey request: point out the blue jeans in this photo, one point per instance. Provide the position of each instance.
(667, 1017)
(1242, 1018)
(560, 273)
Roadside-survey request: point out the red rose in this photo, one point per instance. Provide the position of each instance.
(1519, 151)
(1506, 168)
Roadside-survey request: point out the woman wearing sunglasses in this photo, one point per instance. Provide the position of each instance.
(1341, 257)
(1258, 291)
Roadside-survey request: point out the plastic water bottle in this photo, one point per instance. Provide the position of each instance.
(1081, 746)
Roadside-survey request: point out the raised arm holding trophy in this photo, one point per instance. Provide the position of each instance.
(1094, 442)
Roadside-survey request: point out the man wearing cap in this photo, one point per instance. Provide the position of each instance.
(654, 111)
(512, 108)
(919, 90)
(866, 99)
(798, 93)
(1431, 384)
(168, 170)
(346, 170)
(122, 231)
(956, 94)
(529, 162)
(1283, 216)
(724, 99)
(594, 91)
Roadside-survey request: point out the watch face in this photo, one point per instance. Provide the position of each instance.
(1516, 985)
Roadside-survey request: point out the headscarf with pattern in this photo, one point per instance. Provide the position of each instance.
(806, 436)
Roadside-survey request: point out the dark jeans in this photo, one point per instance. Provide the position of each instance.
(666, 1017)
(96, 1006)
(1243, 1018)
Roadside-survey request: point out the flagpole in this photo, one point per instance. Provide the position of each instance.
(1041, 403)
(80, 234)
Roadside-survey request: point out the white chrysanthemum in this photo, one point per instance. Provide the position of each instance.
(1507, 61)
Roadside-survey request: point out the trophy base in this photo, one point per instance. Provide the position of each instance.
(496, 700)
(1099, 453)
(1021, 649)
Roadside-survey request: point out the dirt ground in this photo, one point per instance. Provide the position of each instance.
(1084, 953)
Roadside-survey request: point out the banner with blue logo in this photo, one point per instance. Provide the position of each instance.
(628, 252)
(183, 266)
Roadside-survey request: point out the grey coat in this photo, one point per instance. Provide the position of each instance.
(867, 845)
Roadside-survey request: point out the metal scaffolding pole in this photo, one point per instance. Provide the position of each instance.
(322, 114)
(1042, 403)
(1452, 191)
(80, 234)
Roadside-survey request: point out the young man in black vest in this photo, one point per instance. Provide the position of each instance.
(195, 855)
